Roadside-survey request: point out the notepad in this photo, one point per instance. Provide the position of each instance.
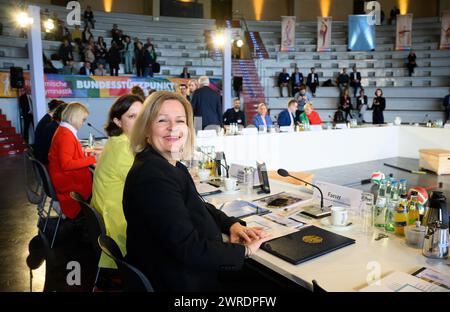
(306, 244)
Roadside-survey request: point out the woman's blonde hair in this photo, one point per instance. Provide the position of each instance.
(152, 105)
(74, 113)
(308, 106)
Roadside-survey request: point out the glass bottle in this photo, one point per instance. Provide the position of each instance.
(401, 211)
(413, 209)
(380, 206)
(391, 207)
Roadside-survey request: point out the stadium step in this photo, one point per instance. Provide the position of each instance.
(252, 91)
(256, 45)
(11, 143)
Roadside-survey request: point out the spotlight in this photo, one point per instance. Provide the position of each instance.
(23, 20)
(240, 43)
(219, 39)
(49, 25)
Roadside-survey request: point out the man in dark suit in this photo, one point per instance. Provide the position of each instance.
(26, 113)
(313, 81)
(206, 103)
(355, 80)
(234, 115)
(446, 105)
(86, 70)
(287, 117)
(296, 81)
(45, 130)
(283, 81)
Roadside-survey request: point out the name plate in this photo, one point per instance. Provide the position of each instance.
(338, 195)
(206, 133)
(250, 131)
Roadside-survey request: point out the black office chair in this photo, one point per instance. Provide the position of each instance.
(316, 288)
(133, 279)
(49, 192)
(94, 225)
(33, 183)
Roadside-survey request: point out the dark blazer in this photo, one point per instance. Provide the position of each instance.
(231, 116)
(310, 80)
(377, 115)
(25, 107)
(354, 77)
(446, 101)
(301, 78)
(43, 139)
(283, 78)
(207, 104)
(173, 236)
(284, 119)
(85, 72)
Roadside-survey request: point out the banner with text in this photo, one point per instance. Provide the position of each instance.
(74, 86)
(403, 40)
(445, 31)
(287, 34)
(324, 34)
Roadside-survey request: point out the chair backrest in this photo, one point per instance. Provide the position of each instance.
(45, 178)
(317, 288)
(94, 221)
(133, 279)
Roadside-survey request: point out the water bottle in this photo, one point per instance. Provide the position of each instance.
(91, 140)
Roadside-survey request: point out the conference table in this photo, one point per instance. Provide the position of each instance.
(346, 269)
(309, 150)
(352, 267)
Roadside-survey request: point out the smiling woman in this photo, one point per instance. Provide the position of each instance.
(173, 235)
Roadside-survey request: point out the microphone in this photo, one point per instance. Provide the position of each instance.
(312, 211)
(285, 173)
(98, 131)
(331, 118)
(226, 167)
(425, 117)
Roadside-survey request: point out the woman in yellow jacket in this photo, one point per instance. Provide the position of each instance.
(112, 169)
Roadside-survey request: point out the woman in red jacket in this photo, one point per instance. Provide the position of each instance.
(310, 116)
(68, 165)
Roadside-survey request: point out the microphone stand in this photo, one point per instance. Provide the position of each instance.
(311, 210)
(98, 131)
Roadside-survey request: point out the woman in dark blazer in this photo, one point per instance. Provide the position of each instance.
(378, 106)
(173, 235)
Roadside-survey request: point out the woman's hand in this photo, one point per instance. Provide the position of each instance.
(254, 245)
(245, 235)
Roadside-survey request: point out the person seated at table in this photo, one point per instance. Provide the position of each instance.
(310, 116)
(68, 165)
(261, 119)
(112, 169)
(173, 236)
(137, 91)
(287, 117)
(45, 130)
(234, 115)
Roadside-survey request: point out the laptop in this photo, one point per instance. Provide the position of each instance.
(306, 244)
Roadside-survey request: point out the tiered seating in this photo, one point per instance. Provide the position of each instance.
(179, 42)
(409, 97)
(11, 143)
